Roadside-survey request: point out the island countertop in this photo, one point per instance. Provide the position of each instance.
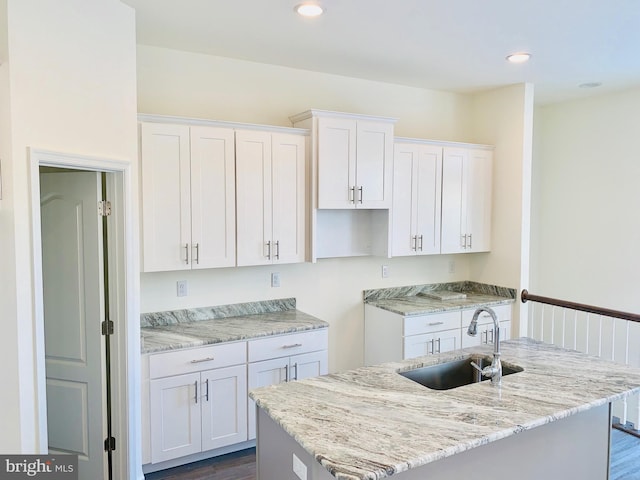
(162, 331)
(371, 422)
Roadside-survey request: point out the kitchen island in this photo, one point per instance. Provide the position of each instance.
(549, 420)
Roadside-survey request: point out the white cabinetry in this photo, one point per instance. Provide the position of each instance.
(391, 337)
(466, 200)
(351, 183)
(197, 400)
(285, 358)
(188, 197)
(486, 333)
(354, 162)
(271, 206)
(417, 183)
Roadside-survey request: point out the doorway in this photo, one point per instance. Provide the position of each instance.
(75, 298)
(72, 311)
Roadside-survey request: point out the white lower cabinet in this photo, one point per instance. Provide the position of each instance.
(391, 337)
(486, 333)
(193, 407)
(299, 356)
(196, 399)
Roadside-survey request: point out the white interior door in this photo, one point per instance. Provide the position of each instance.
(73, 312)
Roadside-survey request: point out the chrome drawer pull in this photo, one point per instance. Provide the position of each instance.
(208, 359)
(294, 345)
(434, 324)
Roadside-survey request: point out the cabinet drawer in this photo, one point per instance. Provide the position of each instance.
(285, 345)
(502, 311)
(431, 323)
(197, 359)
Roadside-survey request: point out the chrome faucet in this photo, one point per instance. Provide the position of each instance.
(493, 371)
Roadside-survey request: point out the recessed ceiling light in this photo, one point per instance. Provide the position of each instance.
(309, 9)
(519, 57)
(590, 85)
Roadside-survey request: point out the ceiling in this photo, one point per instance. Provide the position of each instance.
(453, 45)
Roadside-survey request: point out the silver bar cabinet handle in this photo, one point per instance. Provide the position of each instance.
(186, 251)
(470, 240)
(196, 391)
(269, 249)
(463, 240)
(352, 195)
(277, 255)
(293, 345)
(197, 257)
(438, 340)
(286, 373)
(360, 189)
(420, 237)
(206, 396)
(200, 360)
(295, 365)
(414, 243)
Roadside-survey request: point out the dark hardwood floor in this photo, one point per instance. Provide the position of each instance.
(233, 466)
(625, 464)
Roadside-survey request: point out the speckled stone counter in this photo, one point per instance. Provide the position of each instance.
(171, 330)
(371, 423)
(417, 299)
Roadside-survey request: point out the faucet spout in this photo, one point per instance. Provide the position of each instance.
(494, 371)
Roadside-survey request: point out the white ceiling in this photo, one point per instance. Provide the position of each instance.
(454, 45)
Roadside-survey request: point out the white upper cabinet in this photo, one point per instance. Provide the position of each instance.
(270, 186)
(353, 158)
(416, 213)
(466, 200)
(188, 197)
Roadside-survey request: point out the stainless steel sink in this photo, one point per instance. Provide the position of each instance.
(456, 373)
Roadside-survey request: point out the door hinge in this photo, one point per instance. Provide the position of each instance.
(104, 208)
(109, 444)
(107, 327)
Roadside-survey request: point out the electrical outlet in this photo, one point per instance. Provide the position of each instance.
(182, 288)
(299, 468)
(275, 279)
(452, 266)
(385, 271)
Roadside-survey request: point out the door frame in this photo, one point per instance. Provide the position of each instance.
(124, 255)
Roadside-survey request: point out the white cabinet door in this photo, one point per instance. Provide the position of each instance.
(224, 406)
(288, 198)
(403, 214)
(308, 365)
(427, 191)
(166, 197)
(374, 164)
(253, 197)
(417, 177)
(213, 198)
(263, 374)
(478, 206)
(336, 162)
(431, 343)
(453, 200)
(466, 200)
(271, 198)
(175, 417)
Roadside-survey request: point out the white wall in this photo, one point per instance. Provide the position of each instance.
(193, 85)
(586, 201)
(504, 117)
(67, 84)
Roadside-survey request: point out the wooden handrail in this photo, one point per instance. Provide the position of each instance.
(633, 317)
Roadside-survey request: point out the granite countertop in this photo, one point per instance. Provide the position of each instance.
(171, 330)
(370, 423)
(423, 299)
